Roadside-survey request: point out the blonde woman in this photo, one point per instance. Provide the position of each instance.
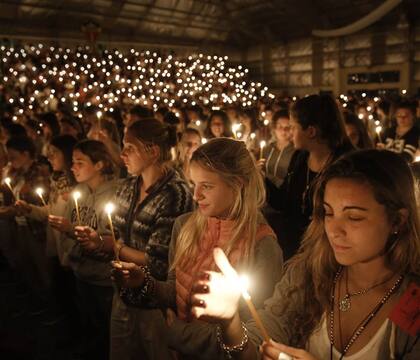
(229, 192)
(360, 256)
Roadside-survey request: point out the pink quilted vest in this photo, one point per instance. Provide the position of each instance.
(217, 234)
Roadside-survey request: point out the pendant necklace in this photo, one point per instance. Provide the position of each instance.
(345, 303)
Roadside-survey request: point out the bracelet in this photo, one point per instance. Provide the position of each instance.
(232, 349)
(101, 245)
(148, 284)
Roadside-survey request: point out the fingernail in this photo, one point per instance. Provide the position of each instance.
(205, 288)
(202, 303)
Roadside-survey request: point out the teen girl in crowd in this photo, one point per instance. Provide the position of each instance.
(276, 156)
(352, 291)
(94, 171)
(106, 131)
(26, 243)
(356, 132)
(229, 192)
(147, 204)
(248, 120)
(61, 183)
(404, 137)
(190, 141)
(319, 137)
(218, 125)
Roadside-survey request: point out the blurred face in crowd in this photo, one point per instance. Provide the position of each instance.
(352, 134)
(282, 130)
(357, 226)
(67, 129)
(214, 196)
(18, 160)
(56, 158)
(136, 156)
(245, 121)
(190, 143)
(84, 169)
(404, 117)
(217, 127)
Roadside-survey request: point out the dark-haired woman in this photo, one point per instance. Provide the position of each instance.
(218, 125)
(26, 239)
(319, 137)
(356, 132)
(404, 137)
(61, 183)
(352, 292)
(147, 204)
(276, 156)
(94, 171)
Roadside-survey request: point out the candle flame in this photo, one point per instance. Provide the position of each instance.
(39, 191)
(109, 208)
(8, 181)
(262, 143)
(378, 129)
(76, 195)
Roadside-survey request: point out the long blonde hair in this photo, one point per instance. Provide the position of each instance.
(231, 160)
(394, 187)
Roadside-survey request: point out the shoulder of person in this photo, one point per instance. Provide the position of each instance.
(181, 220)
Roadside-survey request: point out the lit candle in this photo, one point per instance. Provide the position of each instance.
(40, 191)
(378, 131)
(253, 136)
(235, 128)
(76, 196)
(109, 209)
(99, 116)
(8, 182)
(224, 265)
(262, 145)
(203, 140)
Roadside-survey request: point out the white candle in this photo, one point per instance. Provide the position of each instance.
(76, 197)
(262, 145)
(235, 128)
(109, 209)
(378, 131)
(8, 182)
(40, 191)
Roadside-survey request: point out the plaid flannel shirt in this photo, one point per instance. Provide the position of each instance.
(148, 226)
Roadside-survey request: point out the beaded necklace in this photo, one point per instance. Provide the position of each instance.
(363, 324)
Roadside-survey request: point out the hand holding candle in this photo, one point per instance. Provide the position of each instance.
(40, 191)
(76, 197)
(226, 288)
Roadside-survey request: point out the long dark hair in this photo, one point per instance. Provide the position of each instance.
(153, 132)
(322, 112)
(227, 128)
(97, 151)
(66, 144)
(393, 186)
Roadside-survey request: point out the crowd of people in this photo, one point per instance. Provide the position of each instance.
(137, 187)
